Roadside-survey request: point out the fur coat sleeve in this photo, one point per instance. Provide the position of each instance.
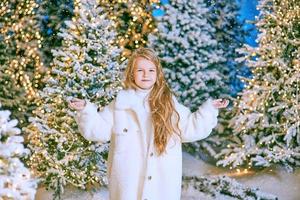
(94, 125)
(198, 125)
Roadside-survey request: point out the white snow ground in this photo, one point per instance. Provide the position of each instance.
(286, 186)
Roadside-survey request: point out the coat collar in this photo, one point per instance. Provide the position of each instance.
(125, 99)
(128, 99)
(131, 99)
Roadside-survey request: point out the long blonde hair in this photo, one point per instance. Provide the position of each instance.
(160, 100)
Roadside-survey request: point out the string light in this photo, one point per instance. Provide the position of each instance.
(75, 72)
(274, 87)
(18, 31)
(132, 33)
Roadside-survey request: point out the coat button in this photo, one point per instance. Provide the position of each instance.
(151, 154)
(149, 177)
(125, 130)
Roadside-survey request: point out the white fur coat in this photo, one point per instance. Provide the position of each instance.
(135, 171)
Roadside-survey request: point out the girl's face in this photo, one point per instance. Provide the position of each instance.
(144, 73)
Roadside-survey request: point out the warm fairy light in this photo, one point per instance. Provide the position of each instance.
(240, 172)
(268, 108)
(133, 33)
(19, 30)
(54, 137)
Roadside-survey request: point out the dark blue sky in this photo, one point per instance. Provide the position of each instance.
(248, 11)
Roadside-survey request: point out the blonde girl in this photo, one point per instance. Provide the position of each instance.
(146, 126)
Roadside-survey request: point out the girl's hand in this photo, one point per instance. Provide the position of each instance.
(77, 104)
(220, 103)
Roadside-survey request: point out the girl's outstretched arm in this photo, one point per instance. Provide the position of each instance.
(198, 125)
(94, 125)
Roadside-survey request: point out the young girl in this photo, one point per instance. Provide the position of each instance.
(145, 126)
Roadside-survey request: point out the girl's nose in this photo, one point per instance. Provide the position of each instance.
(145, 74)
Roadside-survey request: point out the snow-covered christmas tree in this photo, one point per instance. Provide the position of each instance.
(86, 66)
(266, 124)
(229, 34)
(221, 187)
(16, 181)
(225, 18)
(21, 67)
(194, 65)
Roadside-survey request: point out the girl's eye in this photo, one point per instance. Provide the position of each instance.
(152, 70)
